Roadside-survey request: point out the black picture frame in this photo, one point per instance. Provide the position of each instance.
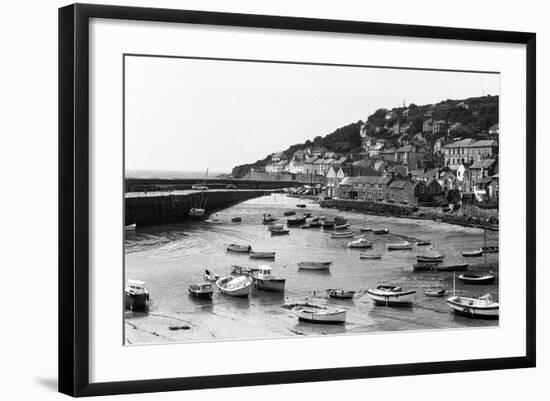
(74, 198)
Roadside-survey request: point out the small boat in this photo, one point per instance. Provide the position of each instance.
(343, 294)
(472, 253)
(435, 292)
(484, 307)
(434, 257)
(489, 249)
(360, 243)
(130, 227)
(424, 266)
(209, 276)
(301, 205)
(136, 295)
(196, 212)
(342, 226)
(266, 281)
(202, 291)
(423, 242)
(289, 213)
(268, 218)
(390, 295)
(316, 222)
(273, 227)
(397, 247)
(307, 214)
(365, 229)
(318, 314)
(452, 267)
(235, 286)
(241, 270)
(280, 232)
(296, 220)
(236, 219)
(262, 255)
(314, 265)
(336, 221)
(370, 256)
(381, 231)
(343, 234)
(476, 278)
(239, 248)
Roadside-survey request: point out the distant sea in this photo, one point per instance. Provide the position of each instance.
(171, 174)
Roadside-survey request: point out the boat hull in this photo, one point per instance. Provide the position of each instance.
(135, 301)
(201, 294)
(405, 298)
(472, 311)
(370, 257)
(338, 317)
(271, 285)
(262, 255)
(477, 280)
(314, 265)
(398, 247)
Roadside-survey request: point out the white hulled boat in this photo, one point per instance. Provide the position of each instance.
(360, 243)
(239, 248)
(483, 307)
(136, 295)
(266, 281)
(235, 286)
(318, 314)
(400, 246)
(389, 295)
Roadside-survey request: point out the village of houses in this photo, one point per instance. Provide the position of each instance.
(450, 170)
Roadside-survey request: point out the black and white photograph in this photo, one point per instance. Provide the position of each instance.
(271, 199)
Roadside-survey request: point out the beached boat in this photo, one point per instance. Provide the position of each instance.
(472, 253)
(241, 270)
(265, 280)
(343, 294)
(235, 286)
(335, 221)
(484, 307)
(435, 292)
(343, 234)
(381, 231)
(370, 256)
(365, 229)
(296, 220)
(390, 295)
(202, 290)
(423, 242)
(262, 255)
(209, 276)
(430, 257)
(289, 213)
(319, 314)
(239, 248)
(400, 246)
(360, 243)
(424, 266)
(307, 214)
(273, 227)
(301, 205)
(196, 212)
(268, 218)
(342, 226)
(486, 278)
(130, 227)
(316, 222)
(279, 232)
(236, 219)
(489, 249)
(136, 295)
(314, 265)
(457, 267)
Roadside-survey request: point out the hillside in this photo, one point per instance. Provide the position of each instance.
(469, 117)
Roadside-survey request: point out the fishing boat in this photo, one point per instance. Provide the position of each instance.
(196, 212)
(318, 314)
(316, 222)
(343, 294)
(209, 276)
(130, 227)
(268, 218)
(262, 255)
(342, 226)
(424, 266)
(486, 278)
(235, 286)
(314, 265)
(400, 246)
(289, 213)
(199, 202)
(430, 257)
(296, 220)
(390, 295)
(236, 219)
(370, 256)
(360, 243)
(489, 249)
(302, 205)
(273, 227)
(280, 232)
(423, 242)
(435, 292)
(241, 270)
(484, 307)
(335, 221)
(239, 248)
(452, 267)
(382, 231)
(202, 290)
(365, 229)
(136, 295)
(266, 281)
(343, 234)
(472, 253)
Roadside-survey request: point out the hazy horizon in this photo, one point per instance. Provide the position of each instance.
(187, 115)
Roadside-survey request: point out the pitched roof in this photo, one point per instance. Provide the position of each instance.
(485, 163)
(311, 159)
(461, 144)
(484, 143)
(406, 148)
(430, 174)
(399, 184)
(372, 179)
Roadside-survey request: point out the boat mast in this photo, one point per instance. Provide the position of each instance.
(454, 283)
(485, 246)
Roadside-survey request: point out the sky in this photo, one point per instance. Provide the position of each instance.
(190, 114)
